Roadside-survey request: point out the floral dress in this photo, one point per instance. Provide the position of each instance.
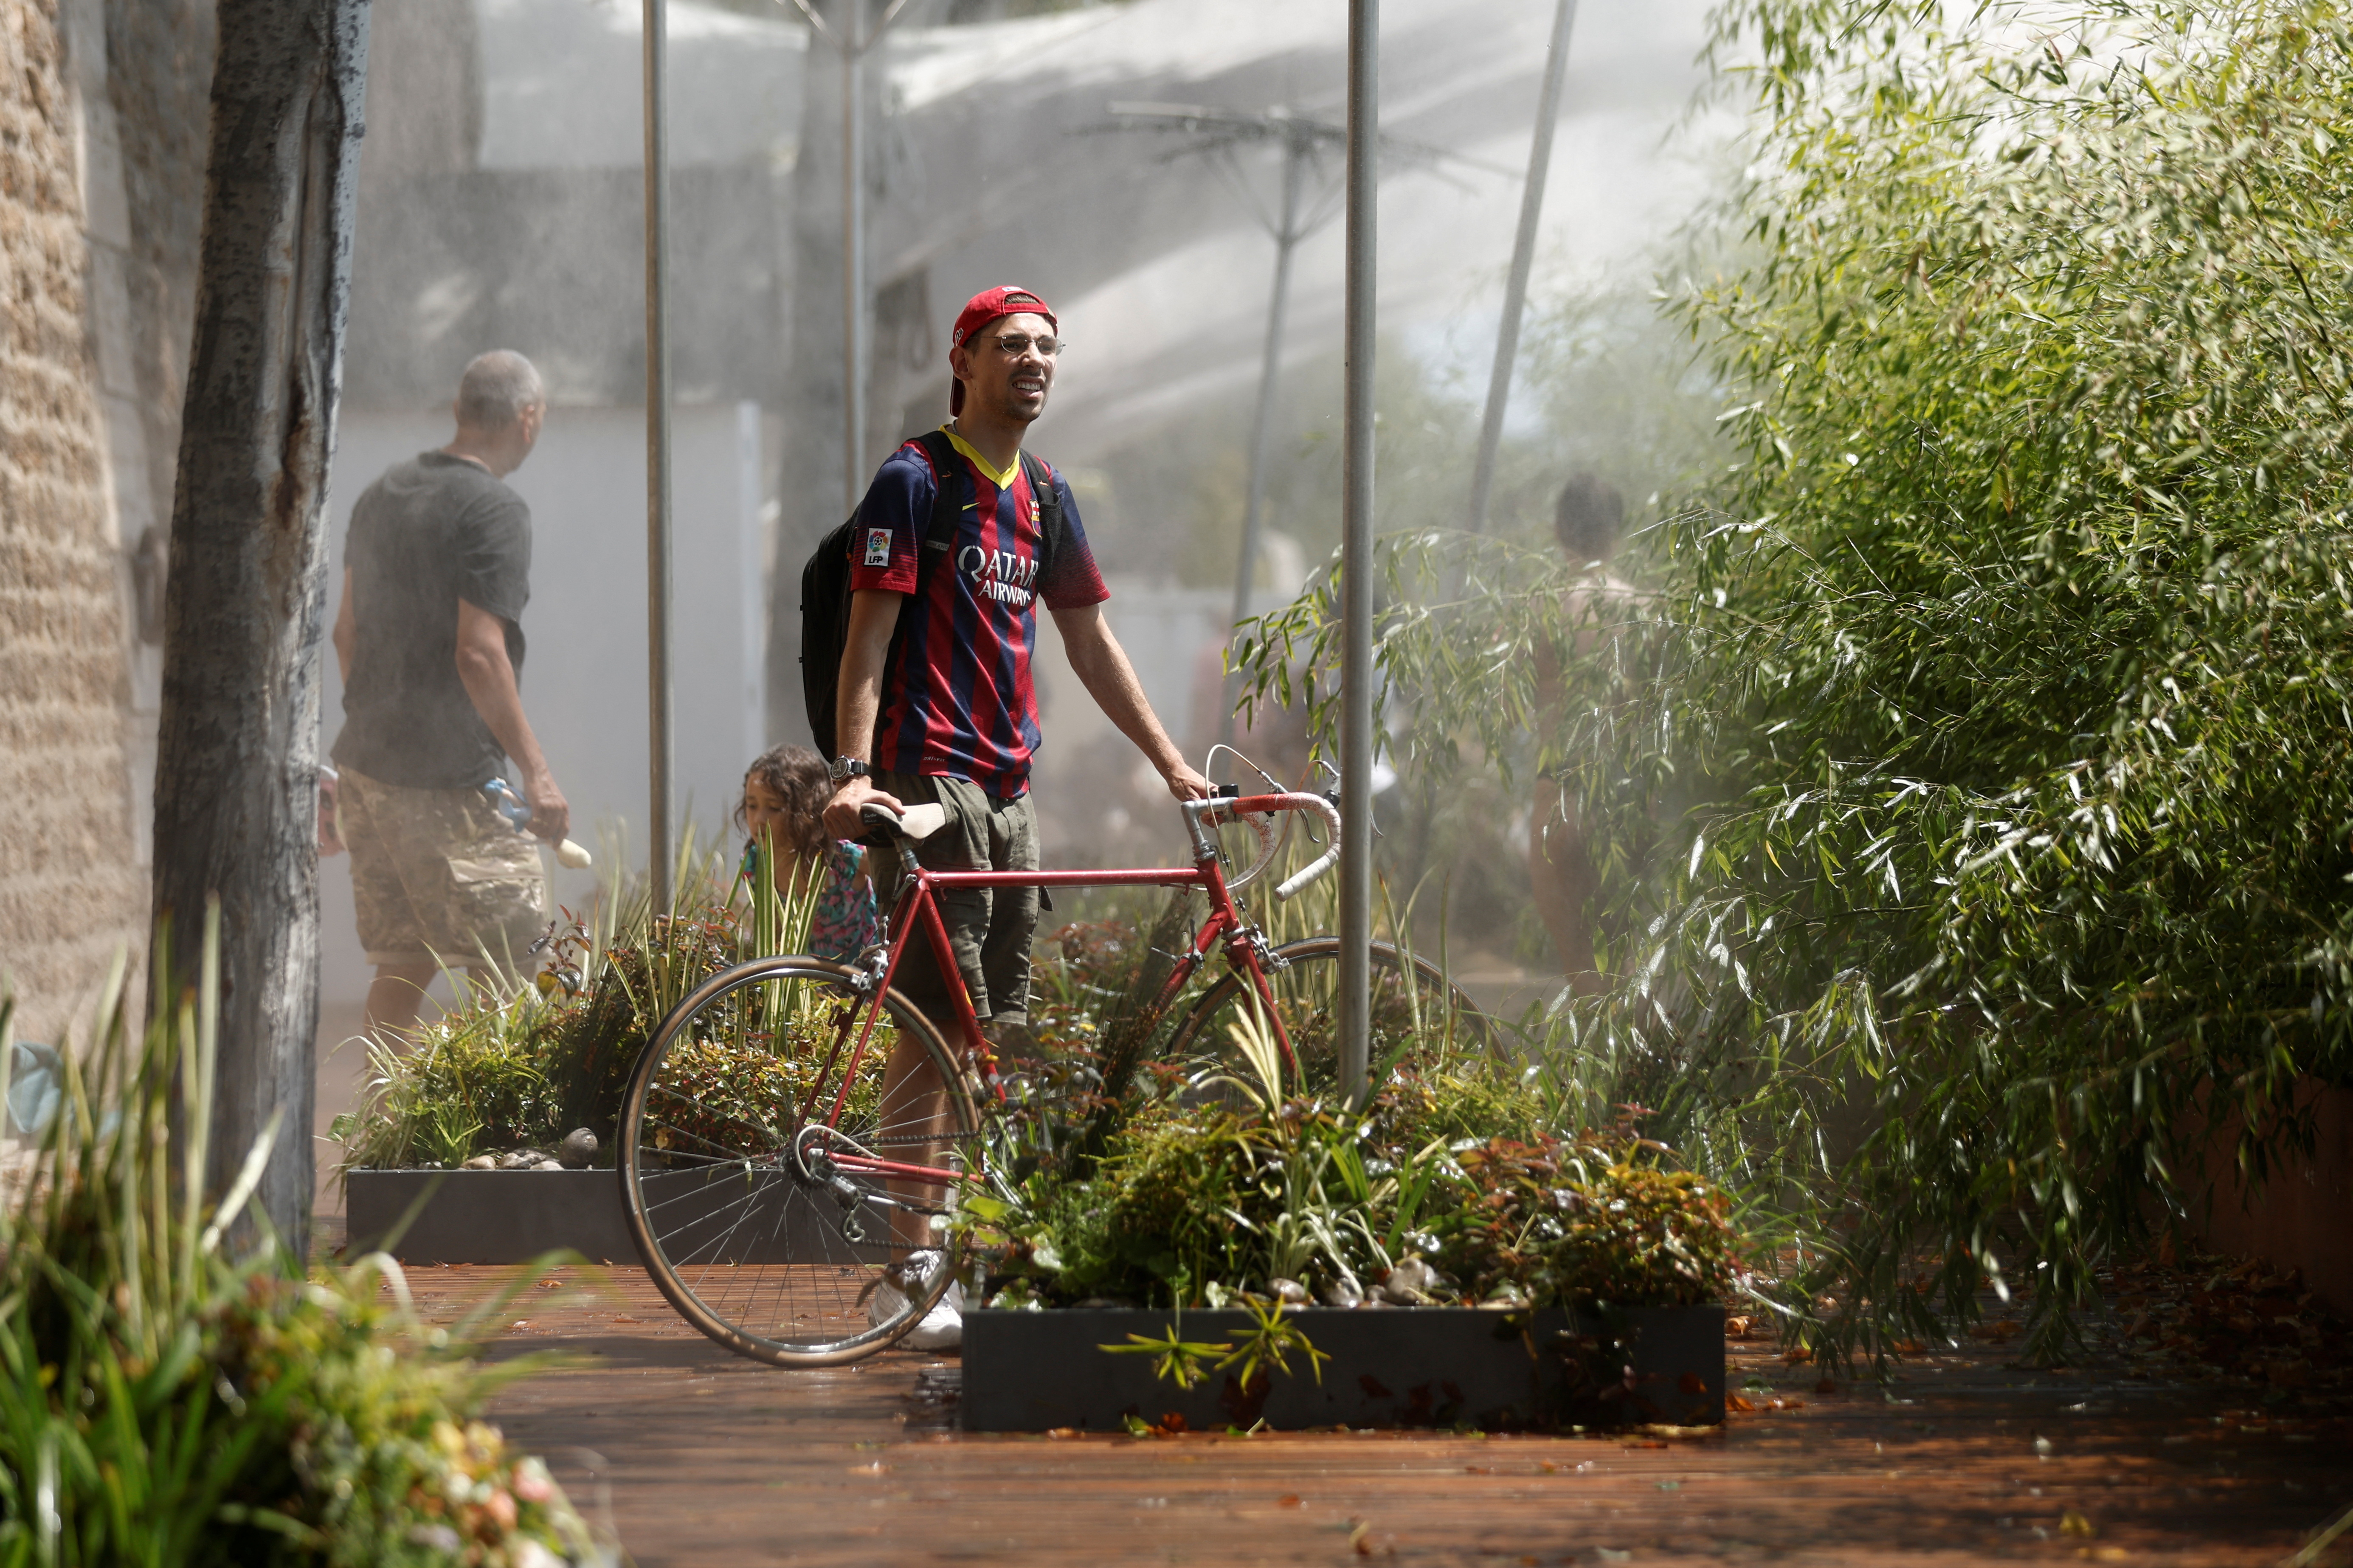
(844, 923)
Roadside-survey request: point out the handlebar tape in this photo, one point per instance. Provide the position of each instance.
(1289, 890)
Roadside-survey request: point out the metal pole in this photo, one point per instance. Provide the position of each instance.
(1356, 555)
(1294, 154)
(658, 679)
(854, 254)
(1523, 250)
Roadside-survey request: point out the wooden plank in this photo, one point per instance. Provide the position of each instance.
(706, 1458)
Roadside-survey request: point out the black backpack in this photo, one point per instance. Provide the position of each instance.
(825, 580)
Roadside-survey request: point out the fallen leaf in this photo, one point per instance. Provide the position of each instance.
(1288, 1499)
(1061, 1432)
(1692, 1382)
(2073, 1523)
(551, 1284)
(1735, 1328)
(1910, 1347)
(1477, 1470)
(1734, 1402)
(1799, 1356)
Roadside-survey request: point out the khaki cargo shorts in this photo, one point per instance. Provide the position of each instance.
(438, 876)
(989, 928)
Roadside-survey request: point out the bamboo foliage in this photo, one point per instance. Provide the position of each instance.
(1969, 777)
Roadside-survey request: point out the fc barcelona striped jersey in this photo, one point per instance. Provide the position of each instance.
(956, 697)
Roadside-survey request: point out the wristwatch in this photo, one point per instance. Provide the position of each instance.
(844, 769)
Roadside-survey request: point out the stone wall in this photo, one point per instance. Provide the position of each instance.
(72, 890)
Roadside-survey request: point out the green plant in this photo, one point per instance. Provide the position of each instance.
(523, 1060)
(1268, 1342)
(1175, 1361)
(1578, 1220)
(1967, 776)
(1202, 1203)
(162, 1402)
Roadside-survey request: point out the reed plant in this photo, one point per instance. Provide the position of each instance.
(163, 1402)
(526, 1056)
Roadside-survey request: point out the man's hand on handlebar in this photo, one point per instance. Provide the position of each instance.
(1185, 783)
(841, 818)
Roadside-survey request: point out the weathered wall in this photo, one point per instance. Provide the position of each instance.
(2303, 1216)
(71, 891)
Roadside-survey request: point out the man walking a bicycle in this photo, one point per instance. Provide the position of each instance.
(934, 701)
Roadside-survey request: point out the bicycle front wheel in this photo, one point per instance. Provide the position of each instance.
(1419, 1017)
(748, 1140)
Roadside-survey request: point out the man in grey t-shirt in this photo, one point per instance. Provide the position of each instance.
(437, 570)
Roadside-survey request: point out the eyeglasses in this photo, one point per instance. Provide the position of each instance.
(1020, 344)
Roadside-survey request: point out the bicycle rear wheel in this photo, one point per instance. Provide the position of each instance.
(1420, 1018)
(728, 1159)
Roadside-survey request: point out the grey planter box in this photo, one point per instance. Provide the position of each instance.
(1434, 1366)
(511, 1216)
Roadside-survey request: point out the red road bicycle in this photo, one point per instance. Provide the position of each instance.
(796, 1133)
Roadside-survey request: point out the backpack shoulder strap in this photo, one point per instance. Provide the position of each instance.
(950, 494)
(1049, 498)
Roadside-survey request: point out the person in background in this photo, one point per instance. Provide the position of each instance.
(1587, 521)
(436, 571)
(782, 813)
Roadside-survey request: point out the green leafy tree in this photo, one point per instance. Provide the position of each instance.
(1970, 773)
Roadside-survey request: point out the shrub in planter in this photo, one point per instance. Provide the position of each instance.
(1585, 1220)
(164, 1402)
(1193, 1200)
(522, 1063)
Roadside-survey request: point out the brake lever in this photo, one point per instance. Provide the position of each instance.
(1333, 794)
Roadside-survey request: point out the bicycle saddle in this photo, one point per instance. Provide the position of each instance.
(915, 824)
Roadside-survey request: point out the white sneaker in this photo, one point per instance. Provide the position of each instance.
(887, 1298)
(942, 1327)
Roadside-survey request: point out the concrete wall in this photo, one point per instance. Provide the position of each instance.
(584, 677)
(71, 887)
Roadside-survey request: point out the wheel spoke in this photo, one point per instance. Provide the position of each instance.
(765, 1250)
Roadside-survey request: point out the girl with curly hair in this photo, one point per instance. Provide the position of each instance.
(783, 815)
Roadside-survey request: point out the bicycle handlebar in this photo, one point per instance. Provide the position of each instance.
(1258, 811)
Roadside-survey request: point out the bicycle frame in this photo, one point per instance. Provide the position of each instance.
(917, 914)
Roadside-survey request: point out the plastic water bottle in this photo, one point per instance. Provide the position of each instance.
(508, 804)
(504, 800)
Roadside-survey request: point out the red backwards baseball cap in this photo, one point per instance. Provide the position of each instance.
(985, 307)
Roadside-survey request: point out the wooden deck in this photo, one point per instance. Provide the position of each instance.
(698, 1457)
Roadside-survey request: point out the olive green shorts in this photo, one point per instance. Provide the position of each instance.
(989, 928)
(439, 877)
